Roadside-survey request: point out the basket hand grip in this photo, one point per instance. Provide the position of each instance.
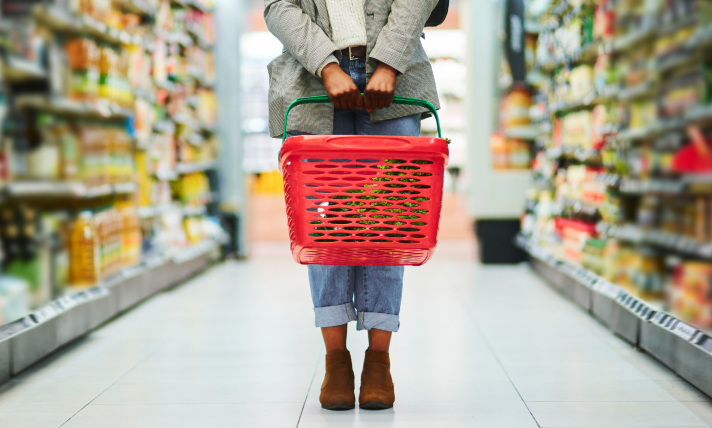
(325, 99)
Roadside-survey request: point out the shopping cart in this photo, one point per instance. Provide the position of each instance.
(363, 200)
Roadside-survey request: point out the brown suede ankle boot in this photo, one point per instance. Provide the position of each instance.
(377, 391)
(337, 390)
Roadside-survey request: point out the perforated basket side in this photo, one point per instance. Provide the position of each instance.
(363, 256)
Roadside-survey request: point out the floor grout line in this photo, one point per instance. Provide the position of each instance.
(301, 412)
(494, 354)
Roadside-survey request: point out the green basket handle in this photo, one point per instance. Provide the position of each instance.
(325, 99)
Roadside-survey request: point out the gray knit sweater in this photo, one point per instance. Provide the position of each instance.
(348, 26)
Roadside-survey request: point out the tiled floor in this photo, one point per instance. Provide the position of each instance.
(236, 347)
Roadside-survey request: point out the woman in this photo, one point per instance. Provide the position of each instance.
(343, 48)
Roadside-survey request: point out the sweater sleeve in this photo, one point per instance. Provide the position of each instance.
(400, 36)
(301, 37)
(330, 59)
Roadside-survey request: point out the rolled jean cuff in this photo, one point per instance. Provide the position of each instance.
(330, 316)
(369, 320)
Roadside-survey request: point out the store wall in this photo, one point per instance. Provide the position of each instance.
(492, 194)
(230, 21)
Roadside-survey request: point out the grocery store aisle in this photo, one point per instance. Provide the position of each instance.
(236, 347)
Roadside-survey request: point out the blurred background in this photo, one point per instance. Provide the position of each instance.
(134, 132)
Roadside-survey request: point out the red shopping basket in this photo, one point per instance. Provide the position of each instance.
(362, 200)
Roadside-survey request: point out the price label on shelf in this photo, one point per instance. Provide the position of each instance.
(705, 250)
(45, 313)
(608, 289)
(684, 330)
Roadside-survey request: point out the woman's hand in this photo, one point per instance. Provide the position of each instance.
(381, 88)
(341, 88)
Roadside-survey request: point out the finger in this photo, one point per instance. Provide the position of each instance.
(367, 102)
(381, 101)
(389, 100)
(344, 102)
(359, 101)
(352, 102)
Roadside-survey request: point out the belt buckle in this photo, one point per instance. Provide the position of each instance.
(351, 57)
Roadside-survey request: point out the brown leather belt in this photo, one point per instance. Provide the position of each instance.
(355, 51)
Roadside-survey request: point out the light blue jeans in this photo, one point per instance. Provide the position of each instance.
(374, 291)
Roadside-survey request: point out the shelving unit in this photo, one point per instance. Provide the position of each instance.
(621, 219)
(114, 115)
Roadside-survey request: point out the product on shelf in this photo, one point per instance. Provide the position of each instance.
(130, 237)
(691, 293)
(193, 189)
(514, 108)
(85, 255)
(268, 183)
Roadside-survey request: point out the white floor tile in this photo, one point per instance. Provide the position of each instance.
(34, 416)
(221, 375)
(574, 371)
(611, 414)
(259, 391)
(408, 390)
(263, 415)
(603, 390)
(494, 414)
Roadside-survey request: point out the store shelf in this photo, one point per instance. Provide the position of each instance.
(527, 132)
(664, 65)
(67, 107)
(638, 133)
(137, 7)
(63, 190)
(665, 240)
(687, 184)
(657, 186)
(182, 39)
(196, 4)
(533, 27)
(184, 168)
(535, 78)
(634, 38)
(187, 168)
(702, 39)
(125, 188)
(190, 210)
(62, 321)
(640, 90)
(585, 54)
(195, 33)
(154, 211)
(685, 349)
(589, 101)
(576, 153)
(57, 19)
(15, 69)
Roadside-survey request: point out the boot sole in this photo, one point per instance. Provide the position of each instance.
(375, 406)
(339, 407)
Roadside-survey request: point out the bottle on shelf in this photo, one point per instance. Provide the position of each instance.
(84, 251)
